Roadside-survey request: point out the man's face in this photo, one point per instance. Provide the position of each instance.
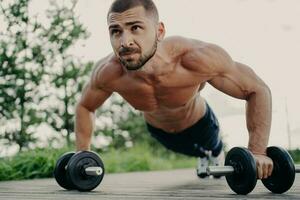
(133, 36)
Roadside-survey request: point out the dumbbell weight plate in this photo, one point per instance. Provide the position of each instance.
(76, 170)
(283, 174)
(60, 173)
(244, 178)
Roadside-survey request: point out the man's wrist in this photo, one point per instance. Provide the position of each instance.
(258, 153)
(262, 151)
(83, 147)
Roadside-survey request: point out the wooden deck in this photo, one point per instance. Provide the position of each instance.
(175, 184)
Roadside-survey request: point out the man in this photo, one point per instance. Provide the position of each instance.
(164, 77)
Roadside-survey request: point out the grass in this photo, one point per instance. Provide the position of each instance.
(143, 158)
(28, 165)
(40, 163)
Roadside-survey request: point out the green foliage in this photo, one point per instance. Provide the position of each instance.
(295, 155)
(34, 59)
(40, 163)
(20, 76)
(70, 82)
(64, 30)
(29, 164)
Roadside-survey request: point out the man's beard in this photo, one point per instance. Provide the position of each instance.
(135, 65)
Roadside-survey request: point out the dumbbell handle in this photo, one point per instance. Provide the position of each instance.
(219, 170)
(226, 170)
(93, 171)
(297, 168)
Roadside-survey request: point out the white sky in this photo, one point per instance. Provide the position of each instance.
(264, 34)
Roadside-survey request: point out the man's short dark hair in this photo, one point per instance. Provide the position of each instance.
(120, 6)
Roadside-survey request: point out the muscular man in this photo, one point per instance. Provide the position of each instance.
(163, 78)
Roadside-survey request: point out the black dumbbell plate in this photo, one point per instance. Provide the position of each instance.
(283, 174)
(60, 173)
(76, 170)
(244, 179)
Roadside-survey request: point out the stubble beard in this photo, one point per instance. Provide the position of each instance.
(132, 65)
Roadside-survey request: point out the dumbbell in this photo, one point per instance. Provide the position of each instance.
(241, 174)
(81, 171)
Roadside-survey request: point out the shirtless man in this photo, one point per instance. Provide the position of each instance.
(163, 78)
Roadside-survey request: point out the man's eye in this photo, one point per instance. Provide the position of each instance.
(114, 32)
(134, 28)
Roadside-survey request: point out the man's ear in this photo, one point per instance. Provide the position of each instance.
(161, 31)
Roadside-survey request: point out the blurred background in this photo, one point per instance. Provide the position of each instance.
(48, 48)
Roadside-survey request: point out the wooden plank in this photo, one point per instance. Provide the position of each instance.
(166, 185)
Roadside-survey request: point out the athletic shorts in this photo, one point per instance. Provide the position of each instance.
(195, 140)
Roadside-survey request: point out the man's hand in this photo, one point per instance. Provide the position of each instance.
(264, 166)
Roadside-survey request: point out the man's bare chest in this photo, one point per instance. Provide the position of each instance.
(150, 93)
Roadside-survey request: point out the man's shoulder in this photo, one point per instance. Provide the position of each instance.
(191, 52)
(106, 70)
(176, 42)
(182, 45)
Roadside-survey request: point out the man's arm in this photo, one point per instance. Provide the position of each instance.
(93, 96)
(239, 81)
(85, 113)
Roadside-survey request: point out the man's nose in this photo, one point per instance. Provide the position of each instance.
(126, 40)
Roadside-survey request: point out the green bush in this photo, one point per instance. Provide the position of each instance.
(40, 163)
(295, 155)
(30, 164)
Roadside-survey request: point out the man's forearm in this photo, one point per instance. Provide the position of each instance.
(84, 122)
(259, 116)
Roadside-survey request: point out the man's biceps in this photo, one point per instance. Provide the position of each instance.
(228, 86)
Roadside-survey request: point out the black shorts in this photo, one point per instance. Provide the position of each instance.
(193, 141)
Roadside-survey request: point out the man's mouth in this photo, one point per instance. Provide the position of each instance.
(128, 51)
(128, 55)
